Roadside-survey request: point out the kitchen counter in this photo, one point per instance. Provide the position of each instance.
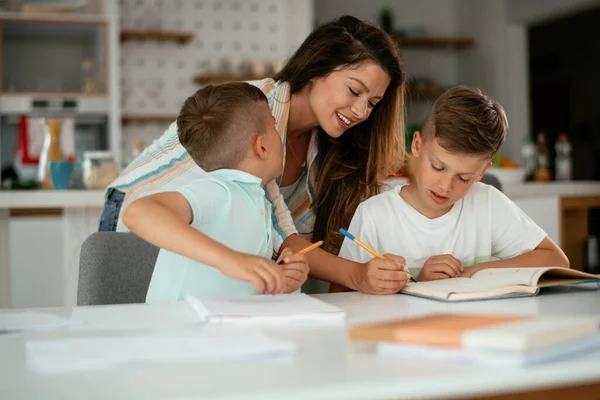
(51, 199)
(562, 189)
(534, 189)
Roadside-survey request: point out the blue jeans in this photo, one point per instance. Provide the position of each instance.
(112, 209)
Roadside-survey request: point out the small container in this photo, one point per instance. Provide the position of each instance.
(99, 169)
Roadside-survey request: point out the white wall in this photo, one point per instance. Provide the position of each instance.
(498, 64)
(157, 77)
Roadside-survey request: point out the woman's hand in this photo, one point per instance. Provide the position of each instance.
(382, 275)
(440, 267)
(295, 269)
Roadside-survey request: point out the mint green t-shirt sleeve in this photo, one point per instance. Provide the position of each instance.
(207, 199)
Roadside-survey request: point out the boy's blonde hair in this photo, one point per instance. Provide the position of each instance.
(218, 123)
(466, 121)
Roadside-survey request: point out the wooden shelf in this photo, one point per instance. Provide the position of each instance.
(179, 37)
(220, 78)
(434, 42)
(150, 118)
(75, 18)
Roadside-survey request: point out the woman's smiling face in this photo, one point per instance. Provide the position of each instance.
(346, 96)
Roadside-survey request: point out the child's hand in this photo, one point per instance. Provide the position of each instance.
(263, 273)
(440, 267)
(383, 275)
(469, 272)
(295, 269)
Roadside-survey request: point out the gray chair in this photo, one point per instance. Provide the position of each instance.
(115, 268)
(491, 180)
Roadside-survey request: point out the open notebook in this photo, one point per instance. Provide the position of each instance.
(496, 283)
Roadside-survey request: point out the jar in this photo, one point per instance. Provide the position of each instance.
(99, 169)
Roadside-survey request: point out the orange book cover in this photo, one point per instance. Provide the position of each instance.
(443, 330)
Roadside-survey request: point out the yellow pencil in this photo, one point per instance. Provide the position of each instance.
(311, 247)
(366, 247)
(307, 249)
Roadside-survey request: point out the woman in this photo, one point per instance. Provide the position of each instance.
(339, 108)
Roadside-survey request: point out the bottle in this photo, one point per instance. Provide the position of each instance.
(89, 83)
(529, 154)
(564, 165)
(386, 19)
(542, 170)
(50, 152)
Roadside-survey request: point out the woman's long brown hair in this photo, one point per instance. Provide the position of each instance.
(353, 166)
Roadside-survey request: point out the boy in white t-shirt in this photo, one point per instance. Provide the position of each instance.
(445, 222)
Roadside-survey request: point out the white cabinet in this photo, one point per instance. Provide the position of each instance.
(44, 256)
(36, 262)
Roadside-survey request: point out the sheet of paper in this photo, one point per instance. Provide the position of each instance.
(282, 307)
(16, 321)
(509, 276)
(66, 355)
(135, 316)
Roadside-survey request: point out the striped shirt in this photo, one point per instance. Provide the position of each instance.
(166, 166)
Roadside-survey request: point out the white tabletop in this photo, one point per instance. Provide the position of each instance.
(327, 365)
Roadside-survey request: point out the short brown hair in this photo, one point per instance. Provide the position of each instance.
(217, 124)
(466, 121)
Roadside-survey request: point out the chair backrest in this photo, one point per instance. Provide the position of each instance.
(491, 180)
(115, 268)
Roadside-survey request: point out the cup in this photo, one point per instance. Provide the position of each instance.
(60, 174)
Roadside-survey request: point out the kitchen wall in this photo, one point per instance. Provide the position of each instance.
(156, 77)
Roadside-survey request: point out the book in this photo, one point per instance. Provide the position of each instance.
(493, 339)
(495, 283)
(280, 307)
(479, 331)
(561, 351)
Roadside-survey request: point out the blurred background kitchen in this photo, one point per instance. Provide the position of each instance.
(85, 85)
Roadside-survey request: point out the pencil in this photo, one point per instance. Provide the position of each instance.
(311, 247)
(367, 247)
(307, 249)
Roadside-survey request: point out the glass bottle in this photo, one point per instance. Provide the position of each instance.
(542, 171)
(51, 151)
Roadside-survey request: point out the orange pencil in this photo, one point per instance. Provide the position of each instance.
(366, 247)
(307, 249)
(311, 247)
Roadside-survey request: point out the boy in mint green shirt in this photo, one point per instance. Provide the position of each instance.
(215, 233)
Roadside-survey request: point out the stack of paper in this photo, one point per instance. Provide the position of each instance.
(207, 343)
(281, 307)
(20, 321)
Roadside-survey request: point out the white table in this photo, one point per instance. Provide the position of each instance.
(327, 366)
